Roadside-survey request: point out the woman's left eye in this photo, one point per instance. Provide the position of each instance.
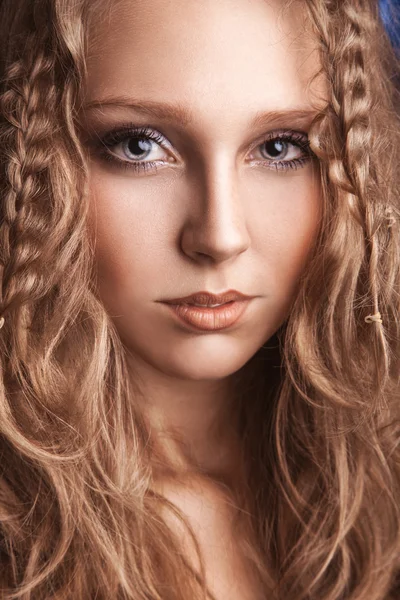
(128, 147)
(285, 150)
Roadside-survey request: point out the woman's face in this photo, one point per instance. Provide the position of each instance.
(225, 209)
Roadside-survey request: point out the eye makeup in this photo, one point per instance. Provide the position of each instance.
(105, 145)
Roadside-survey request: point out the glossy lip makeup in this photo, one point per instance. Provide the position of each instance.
(210, 312)
(210, 319)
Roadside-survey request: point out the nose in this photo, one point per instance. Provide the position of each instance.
(216, 227)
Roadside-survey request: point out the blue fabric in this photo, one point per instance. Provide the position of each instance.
(390, 14)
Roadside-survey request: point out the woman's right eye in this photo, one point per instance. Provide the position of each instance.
(129, 146)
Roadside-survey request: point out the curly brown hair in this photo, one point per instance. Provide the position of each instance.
(77, 520)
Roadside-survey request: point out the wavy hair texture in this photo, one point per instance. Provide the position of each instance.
(320, 414)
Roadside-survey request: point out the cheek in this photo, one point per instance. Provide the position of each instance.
(120, 239)
(121, 225)
(291, 214)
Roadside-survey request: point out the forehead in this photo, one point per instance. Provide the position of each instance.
(220, 58)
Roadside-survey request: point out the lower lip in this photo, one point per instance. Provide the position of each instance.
(210, 319)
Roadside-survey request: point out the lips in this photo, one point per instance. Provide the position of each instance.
(208, 299)
(209, 319)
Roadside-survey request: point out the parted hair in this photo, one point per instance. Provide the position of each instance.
(319, 403)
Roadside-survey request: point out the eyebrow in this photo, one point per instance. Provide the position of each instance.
(168, 111)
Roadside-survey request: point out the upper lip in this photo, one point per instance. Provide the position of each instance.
(208, 298)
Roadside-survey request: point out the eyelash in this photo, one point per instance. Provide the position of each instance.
(116, 136)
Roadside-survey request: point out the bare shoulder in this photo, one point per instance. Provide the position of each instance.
(211, 513)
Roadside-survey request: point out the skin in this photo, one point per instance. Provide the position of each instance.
(212, 217)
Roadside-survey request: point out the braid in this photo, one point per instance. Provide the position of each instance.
(33, 156)
(346, 141)
(25, 128)
(356, 108)
(345, 370)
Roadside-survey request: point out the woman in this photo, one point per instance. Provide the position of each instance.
(159, 159)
